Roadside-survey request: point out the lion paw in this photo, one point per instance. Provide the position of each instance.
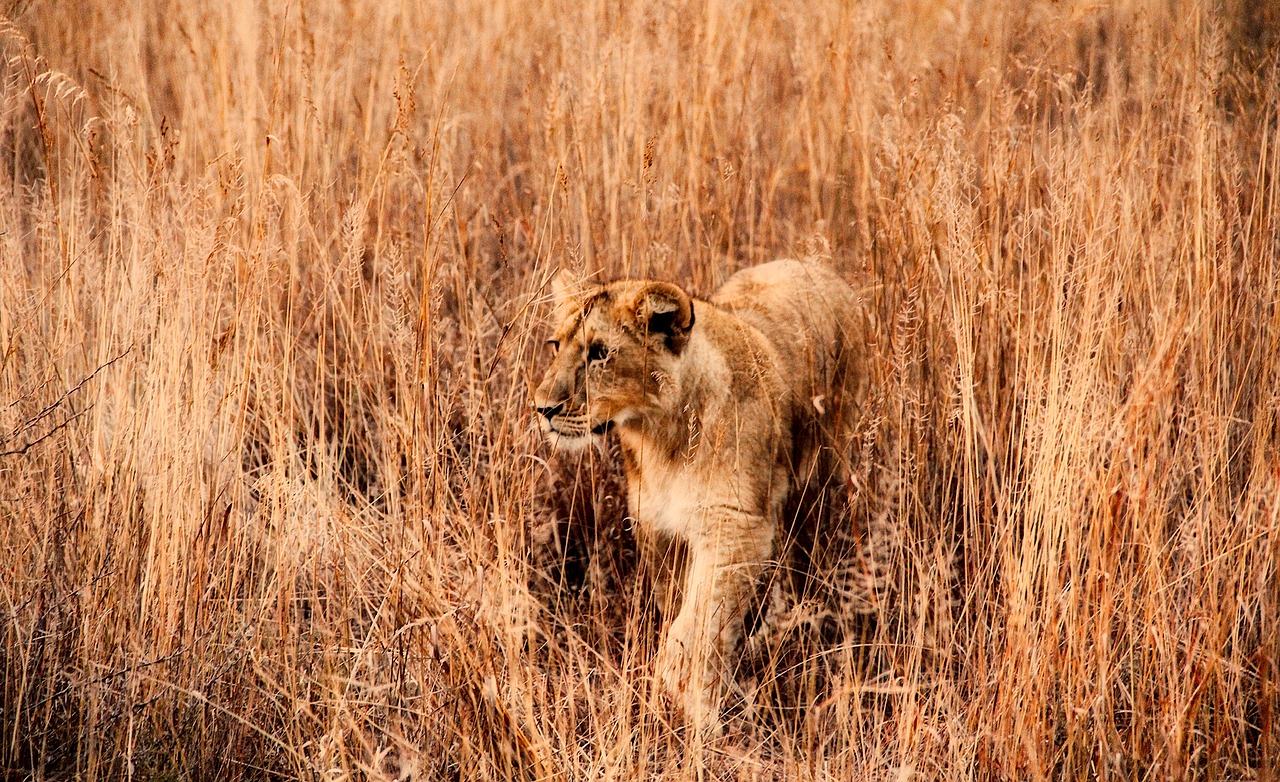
(688, 681)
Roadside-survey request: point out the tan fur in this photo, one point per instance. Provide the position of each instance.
(719, 406)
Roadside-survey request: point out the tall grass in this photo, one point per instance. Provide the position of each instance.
(272, 284)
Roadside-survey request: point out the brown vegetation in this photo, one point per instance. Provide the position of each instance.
(272, 283)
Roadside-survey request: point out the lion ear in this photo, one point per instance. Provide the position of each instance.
(562, 286)
(664, 309)
(567, 294)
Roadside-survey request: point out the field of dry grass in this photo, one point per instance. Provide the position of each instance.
(272, 289)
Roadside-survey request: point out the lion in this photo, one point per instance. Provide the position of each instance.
(726, 409)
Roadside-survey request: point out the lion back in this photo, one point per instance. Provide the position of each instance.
(812, 319)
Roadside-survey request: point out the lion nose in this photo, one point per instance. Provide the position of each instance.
(550, 411)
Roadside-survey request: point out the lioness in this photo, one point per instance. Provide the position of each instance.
(722, 407)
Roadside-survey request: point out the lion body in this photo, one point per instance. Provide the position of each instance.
(723, 408)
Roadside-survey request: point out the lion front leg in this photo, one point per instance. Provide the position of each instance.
(662, 562)
(725, 566)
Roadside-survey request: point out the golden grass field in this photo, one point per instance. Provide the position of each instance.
(273, 282)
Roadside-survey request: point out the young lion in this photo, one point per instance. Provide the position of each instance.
(722, 408)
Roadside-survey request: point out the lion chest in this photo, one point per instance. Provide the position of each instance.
(666, 498)
(691, 496)
(689, 503)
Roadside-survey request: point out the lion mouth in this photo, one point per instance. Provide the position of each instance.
(568, 429)
(604, 427)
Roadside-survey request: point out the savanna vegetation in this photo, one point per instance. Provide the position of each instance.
(273, 279)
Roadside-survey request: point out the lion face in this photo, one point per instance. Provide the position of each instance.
(615, 353)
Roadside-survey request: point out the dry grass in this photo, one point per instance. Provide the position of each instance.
(271, 288)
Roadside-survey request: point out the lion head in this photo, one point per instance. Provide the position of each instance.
(616, 347)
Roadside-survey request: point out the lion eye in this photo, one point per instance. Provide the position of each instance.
(554, 344)
(597, 352)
